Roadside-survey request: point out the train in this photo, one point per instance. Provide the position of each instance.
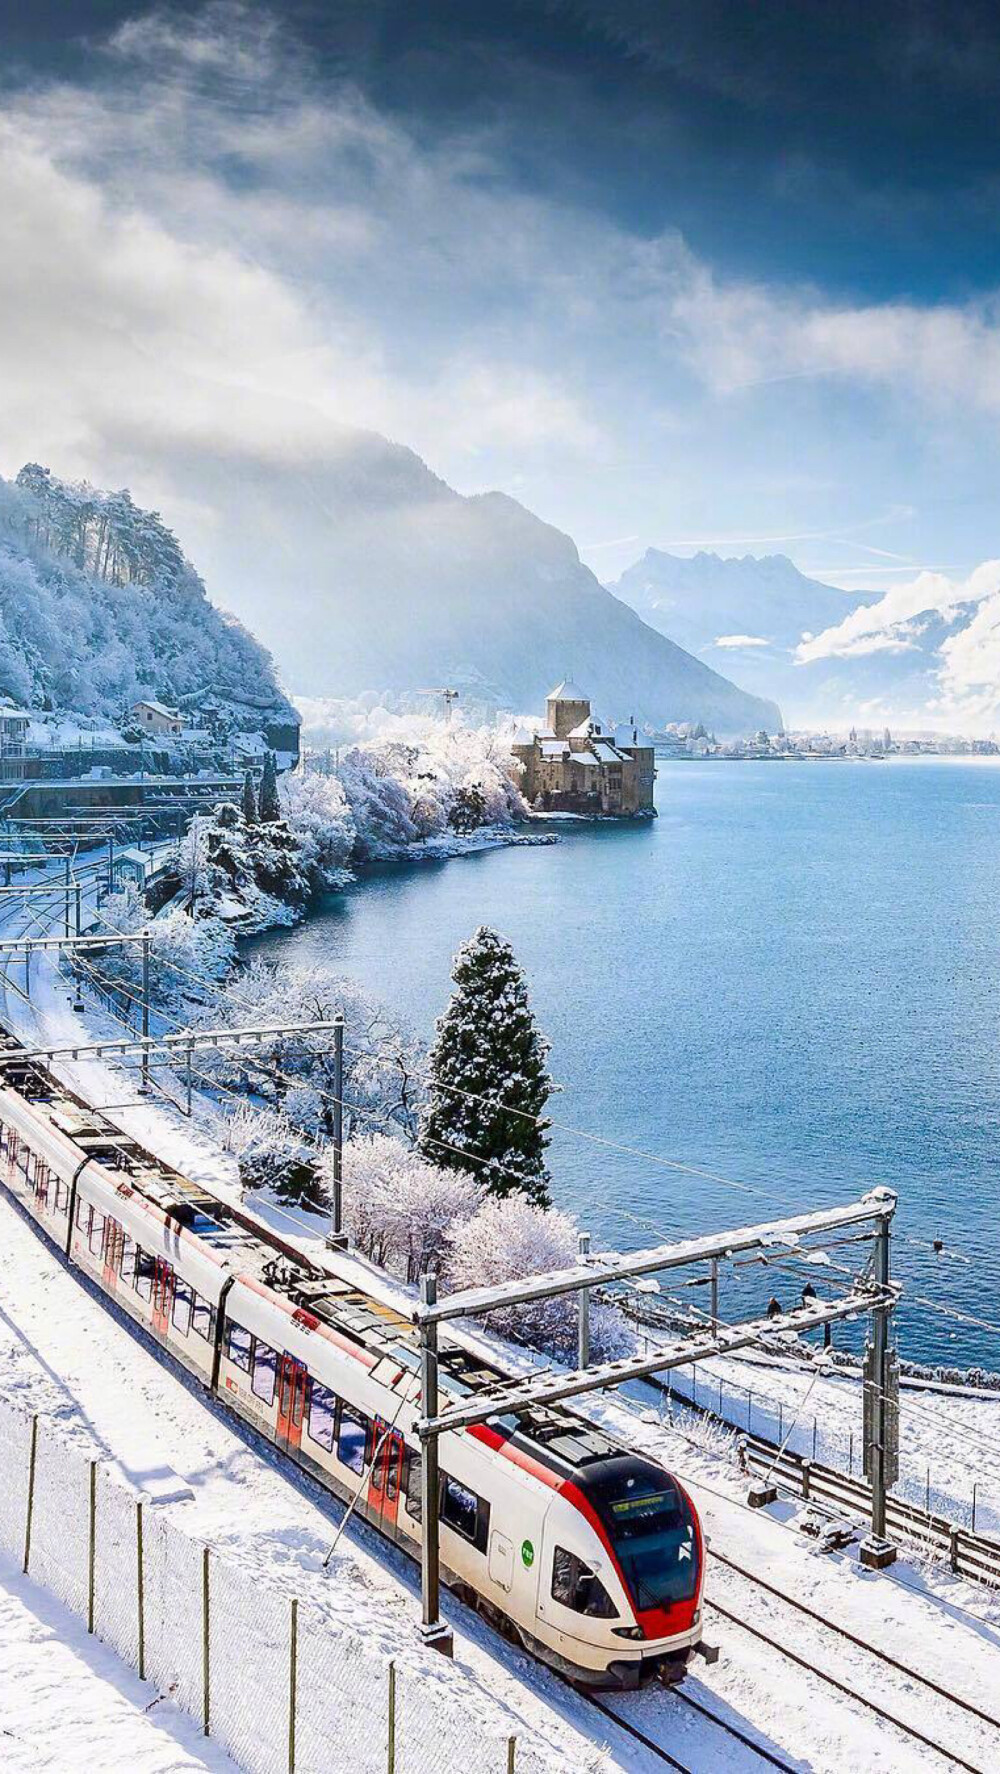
(589, 1555)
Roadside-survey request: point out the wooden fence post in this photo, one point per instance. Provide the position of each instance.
(953, 1548)
(92, 1547)
(140, 1586)
(511, 1753)
(293, 1677)
(32, 1460)
(392, 1719)
(206, 1691)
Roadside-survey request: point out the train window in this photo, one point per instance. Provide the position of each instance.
(322, 1414)
(239, 1347)
(576, 1586)
(84, 1215)
(145, 1269)
(62, 1196)
(202, 1317)
(265, 1367)
(466, 1513)
(127, 1261)
(183, 1297)
(96, 1240)
(352, 1438)
(411, 1484)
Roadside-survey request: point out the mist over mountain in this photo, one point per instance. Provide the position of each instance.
(365, 572)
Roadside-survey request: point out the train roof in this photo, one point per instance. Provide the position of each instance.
(563, 1441)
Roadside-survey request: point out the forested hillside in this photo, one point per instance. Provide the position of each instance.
(98, 607)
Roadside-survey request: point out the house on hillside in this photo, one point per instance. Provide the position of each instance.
(14, 724)
(156, 717)
(576, 764)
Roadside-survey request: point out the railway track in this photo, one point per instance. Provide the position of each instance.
(952, 1709)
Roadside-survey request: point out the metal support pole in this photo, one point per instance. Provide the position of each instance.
(336, 1238)
(583, 1309)
(875, 1550)
(189, 1052)
(68, 884)
(111, 862)
(144, 1083)
(433, 1629)
(79, 894)
(714, 1285)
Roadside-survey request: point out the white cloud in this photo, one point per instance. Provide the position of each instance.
(889, 624)
(740, 640)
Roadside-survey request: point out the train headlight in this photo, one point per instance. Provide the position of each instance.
(628, 1632)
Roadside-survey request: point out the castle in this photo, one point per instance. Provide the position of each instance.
(574, 764)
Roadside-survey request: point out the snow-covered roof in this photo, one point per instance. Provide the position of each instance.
(606, 753)
(585, 757)
(567, 691)
(587, 729)
(553, 748)
(523, 737)
(622, 734)
(159, 708)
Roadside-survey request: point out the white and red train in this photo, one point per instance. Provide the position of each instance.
(592, 1556)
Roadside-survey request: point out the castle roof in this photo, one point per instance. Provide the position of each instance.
(567, 691)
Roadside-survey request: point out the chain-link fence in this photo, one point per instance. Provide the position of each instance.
(282, 1688)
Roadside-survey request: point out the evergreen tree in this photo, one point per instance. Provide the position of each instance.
(490, 1049)
(270, 806)
(249, 800)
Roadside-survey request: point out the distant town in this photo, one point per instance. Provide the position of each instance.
(692, 740)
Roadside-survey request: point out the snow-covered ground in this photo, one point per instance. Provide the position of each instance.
(63, 1351)
(66, 1701)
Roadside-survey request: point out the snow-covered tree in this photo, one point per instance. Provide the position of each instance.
(272, 1155)
(381, 1058)
(316, 812)
(270, 806)
(509, 1240)
(401, 1210)
(248, 805)
(488, 1083)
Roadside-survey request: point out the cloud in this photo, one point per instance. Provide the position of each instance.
(740, 640)
(889, 623)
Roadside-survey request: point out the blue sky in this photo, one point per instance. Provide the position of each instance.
(718, 275)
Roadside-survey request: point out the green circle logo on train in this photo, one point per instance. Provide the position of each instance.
(527, 1553)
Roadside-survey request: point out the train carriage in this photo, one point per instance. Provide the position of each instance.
(591, 1555)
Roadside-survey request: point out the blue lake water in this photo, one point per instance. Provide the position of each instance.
(791, 980)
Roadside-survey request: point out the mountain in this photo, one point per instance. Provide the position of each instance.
(747, 613)
(98, 607)
(366, 573)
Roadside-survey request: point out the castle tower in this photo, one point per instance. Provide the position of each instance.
(565, 707)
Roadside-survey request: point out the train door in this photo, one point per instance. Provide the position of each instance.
(114, 1244)
(40, 1183)
(292, 1379)
(387, 1473)
(164, 1282)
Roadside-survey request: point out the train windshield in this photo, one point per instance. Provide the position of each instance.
(651, 1528)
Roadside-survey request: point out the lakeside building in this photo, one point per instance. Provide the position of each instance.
(575, 764)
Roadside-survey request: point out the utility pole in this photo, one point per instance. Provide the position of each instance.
(111, 862)
(336, 1237)
(583, 1309)
(881, 1419)
(144, 1085)
(69, 870)
(714, 1295)
(433, 1630)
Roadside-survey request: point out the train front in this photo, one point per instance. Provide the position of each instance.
(626, 1591)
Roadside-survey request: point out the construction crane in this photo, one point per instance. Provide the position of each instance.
(449, 697)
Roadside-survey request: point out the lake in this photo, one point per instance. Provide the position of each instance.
(789, 981)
